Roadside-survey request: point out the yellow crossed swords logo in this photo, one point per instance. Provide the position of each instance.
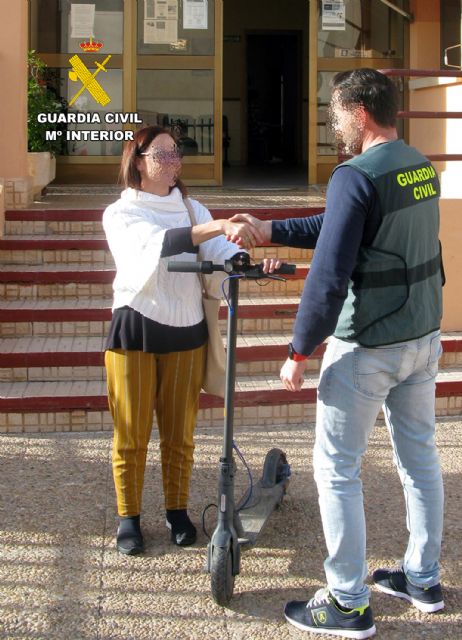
(88, 80)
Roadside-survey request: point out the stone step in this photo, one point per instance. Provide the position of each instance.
(55, 317)
(34, 283)
(50, 222)
(79, 250)
(49, 359)
(70, 281)
(91, 316)
(82, 405)
(82, 358)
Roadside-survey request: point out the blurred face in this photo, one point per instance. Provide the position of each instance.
(161, 161)
(347, 123)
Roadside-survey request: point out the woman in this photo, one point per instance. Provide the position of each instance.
(156, 348)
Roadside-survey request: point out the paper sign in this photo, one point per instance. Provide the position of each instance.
(160, 31)
(172, 9)
(333, 16)
(82, 20)
(160, 21)
(195, 14)
(161, 9)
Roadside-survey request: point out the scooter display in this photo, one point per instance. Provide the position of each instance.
(239, 525)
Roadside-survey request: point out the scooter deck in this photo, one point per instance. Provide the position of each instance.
(255, 514)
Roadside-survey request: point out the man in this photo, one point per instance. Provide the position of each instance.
(375, 285)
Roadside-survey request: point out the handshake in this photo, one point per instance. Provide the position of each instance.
(247, 231)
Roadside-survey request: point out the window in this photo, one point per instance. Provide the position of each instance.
(57, 30)
(181, 100)
(55, 24)
(372, 30)
(176, 27)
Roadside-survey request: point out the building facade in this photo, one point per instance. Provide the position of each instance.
(243, 83)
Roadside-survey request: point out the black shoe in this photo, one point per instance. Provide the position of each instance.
(183, 532)
(395, 583)
(323, 614)
(129, 536)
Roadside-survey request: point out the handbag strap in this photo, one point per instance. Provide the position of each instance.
(192, 217)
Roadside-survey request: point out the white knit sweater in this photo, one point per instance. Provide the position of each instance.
(135, 227)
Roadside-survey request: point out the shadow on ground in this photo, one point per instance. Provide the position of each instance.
(61, 578)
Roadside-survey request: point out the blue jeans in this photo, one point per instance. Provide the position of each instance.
(355, 382)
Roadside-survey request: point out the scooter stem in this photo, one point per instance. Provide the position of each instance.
(231, 338)
(225, 534)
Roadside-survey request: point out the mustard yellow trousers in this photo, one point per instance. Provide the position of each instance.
(138, 384)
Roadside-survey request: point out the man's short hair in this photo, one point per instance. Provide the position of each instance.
(371, 89)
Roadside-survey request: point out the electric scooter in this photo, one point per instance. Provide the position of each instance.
(238, 525)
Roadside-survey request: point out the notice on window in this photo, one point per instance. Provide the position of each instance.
(160, 21)
(160, 31)
(195, 14)
(82, 20)
(158, 9)
(333, 16)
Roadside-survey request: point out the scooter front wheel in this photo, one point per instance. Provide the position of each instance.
(222, 578)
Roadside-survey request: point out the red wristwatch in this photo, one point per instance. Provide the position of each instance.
(293, 355)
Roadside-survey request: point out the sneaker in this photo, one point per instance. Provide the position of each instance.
(395, 583)
(323, 614)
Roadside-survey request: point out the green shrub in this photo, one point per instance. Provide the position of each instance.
(40, 99)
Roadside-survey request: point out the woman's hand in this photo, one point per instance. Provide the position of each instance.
(245, 235)
(270, 264)
(263, 227)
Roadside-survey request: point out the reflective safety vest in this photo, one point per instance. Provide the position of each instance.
(395, 289)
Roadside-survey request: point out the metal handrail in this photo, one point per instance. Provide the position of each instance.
(429, 73)
(429, 114)
(422, 73)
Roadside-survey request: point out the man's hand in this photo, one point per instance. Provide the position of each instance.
(292, 374)
(262, 227)
(245, 235)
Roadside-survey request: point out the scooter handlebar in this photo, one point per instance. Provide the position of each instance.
(286, 269)
(247, 271)
(204, 266)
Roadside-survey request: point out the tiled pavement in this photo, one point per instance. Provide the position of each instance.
(60, 577)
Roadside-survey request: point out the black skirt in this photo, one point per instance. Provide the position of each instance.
(132, 331)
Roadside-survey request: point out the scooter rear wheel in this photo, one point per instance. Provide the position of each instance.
(274, 468)
(222, 579)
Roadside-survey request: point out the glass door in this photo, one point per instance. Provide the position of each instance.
(179, 78)
(349, 34)
(82, 45)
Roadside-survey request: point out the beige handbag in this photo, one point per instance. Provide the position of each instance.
(214, 377)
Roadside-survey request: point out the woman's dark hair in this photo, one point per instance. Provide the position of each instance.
(371, 89)
(142, 139)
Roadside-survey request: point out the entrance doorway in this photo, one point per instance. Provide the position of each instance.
(273, 75)
(265, 94)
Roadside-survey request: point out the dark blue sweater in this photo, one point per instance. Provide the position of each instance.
(351, 220)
